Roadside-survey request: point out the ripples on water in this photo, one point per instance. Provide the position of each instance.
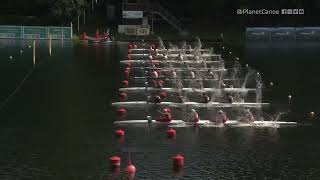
(226, 153)
(66, 132)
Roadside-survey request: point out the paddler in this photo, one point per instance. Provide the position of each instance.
(154, 74)
(248, 118)
(165, 115)
(174, 74)
(146, 84)
(180, 99)
(211, 74)
(193, 76)
(194, 116)
(221, 117)
(157, 99)
(206, 98)
(187, 65)
(159, 84)
(149, 121)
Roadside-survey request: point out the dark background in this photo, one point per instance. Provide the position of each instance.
(220, 13)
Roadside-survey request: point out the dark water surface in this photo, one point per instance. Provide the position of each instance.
(59, 124)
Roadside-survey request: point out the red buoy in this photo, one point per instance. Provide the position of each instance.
(171, 133)
(130, 46)
(178, 161)
(115, 161)
(125, 83)
(121, 111)
(129, 51)
(129, 57)
(126, 74)
(119, 133)
(123, 96)
(130, 169)
(127, 65)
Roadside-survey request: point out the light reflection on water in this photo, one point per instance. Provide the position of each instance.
(59, 126)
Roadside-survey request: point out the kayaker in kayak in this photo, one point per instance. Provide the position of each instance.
(248, 117)
(206, 98)
(194, 116)
(165, 115)
(157, 99)
(221, 117)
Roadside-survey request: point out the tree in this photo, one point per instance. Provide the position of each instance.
(68, 9)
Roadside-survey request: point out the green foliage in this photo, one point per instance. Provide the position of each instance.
(68, 9)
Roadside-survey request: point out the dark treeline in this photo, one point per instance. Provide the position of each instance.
(218, 12)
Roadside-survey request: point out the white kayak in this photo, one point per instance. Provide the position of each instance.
(195, 104)
(195, 69)
(164, 51)
(165, 62)
(237, 90)
(187, 78)
(178, 69)
(173, 122)
(177, 55)
(207, 123)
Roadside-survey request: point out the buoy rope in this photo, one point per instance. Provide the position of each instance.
(4, 103)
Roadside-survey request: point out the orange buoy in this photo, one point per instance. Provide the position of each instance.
(125, 83)
(171, 133)
(119, 133)
(178, 161)
(115, 161)
(121, 111)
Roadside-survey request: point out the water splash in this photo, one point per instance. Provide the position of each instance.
(161, 45)
(198, 44)
(259, 88)
(236, 69)
(249, 73)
